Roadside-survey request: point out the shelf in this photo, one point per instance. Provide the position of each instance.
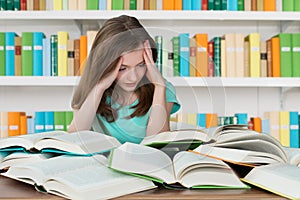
(158, 15)
(176, 81)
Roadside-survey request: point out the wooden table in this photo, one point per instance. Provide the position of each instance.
(12, 189)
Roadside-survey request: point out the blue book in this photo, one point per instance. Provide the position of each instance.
(49, 121)
(242, 118)
(294, 129)
(232, 5)
(186, 4)
(10, 53)
(46, 57)
(38, 53)
(184, 54)
(102, 4)
(196, 4)
(39, 122)
(30, 125)
(265, 126)
(201, 120)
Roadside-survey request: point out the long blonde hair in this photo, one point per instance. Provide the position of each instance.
(117, 35)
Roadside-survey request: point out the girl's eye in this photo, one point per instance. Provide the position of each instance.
(122, 68)
(142, 65)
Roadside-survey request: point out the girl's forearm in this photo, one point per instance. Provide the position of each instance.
(83, 118)
(159, 117)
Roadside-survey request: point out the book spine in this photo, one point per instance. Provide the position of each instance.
(53, 45)
(285, 55)
(39, 122)
(132, 4)
(187, 5)
(176, 48)
(294, 130)
(2, 53)
(46, 57)
(27, 54)
(3, 5)
(10, 53)
(59, 121)
(210, 52)
(92, 5)
(217, 56)
(38, 53)
(17, 5)
(23, 123)
(69, 118)
(83, 52)
(76, 57)
(184, 53)
(158, 42)
(240, 6)
(210, 5)
(70, 58)
(295, 54)
(49, 121)
(18, 56)
(288, 5)
(196, 5)
(117, 5)
(13, 119)
(102, 4)
(62, 53)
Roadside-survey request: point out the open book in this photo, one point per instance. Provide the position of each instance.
(78, 177)
(280, 178)
(186, 168)
(242, 146)
(78, 143)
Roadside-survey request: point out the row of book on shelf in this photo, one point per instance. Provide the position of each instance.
(282, 125)
(230, 5)
(230, 55)
(233, 155)
(18, 123)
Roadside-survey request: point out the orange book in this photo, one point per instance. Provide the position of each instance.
(83, 52)
(146, 4)
(211, 120)
(13, 122)
(269, 5)
(275, 46)
(168, 4)
(177, 4)
(253, 5)
(23, 123)
(76, 57)
(201, 54)
(257, 124)
(269, 58)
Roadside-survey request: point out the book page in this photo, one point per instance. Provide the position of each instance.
(95, 181)
(83, 142)
(293, 155)
(27, 141)
(144, 160)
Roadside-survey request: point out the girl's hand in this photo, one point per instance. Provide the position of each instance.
(152, 74)
(107, 81)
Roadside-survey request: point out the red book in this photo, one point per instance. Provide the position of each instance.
(204, 5)
(211, 64)
(23, 5)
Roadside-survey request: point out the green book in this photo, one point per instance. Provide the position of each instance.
(223, 4)
(69, 118)
(296, 5)
(241, 5)
(2, 53)
(117, 5)
(217, 4)
(27, 53)
(3, 4)
(285, 54)
(158, 42)
(217, 56)
(60, 120)
(9, 4)
(92, 4)
(288, 5)
(53, 55)
(17, 5)
(175, 41)
(132, 4)
(295, 54)
(210, 5)
(65, 5)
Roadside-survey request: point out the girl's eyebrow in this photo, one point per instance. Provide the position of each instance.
(136, 64)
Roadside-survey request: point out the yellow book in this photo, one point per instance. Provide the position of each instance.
(254, 54)
(192, 118)
(108, 4)
(273, 117)
(62, 53)
(230, 54)
(284, 128)
(57, 4)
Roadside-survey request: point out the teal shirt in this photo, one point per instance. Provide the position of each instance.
(133, 129)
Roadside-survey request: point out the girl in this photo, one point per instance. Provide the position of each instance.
(121, 92)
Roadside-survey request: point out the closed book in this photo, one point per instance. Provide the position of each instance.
(38, 53)
(13, 122)
(254, 52)
(223, 4)
(42, 4)
(46, 57)
(30, 125)
(166, 69)
(269, 5)
(197, 4)
(60, 120)
(146, 4)
(201, 54)
(140, 5)
(91, 35)
(210, 53)
(263, 59)
(295, 42)
(54, 58)
(285, 54)
(73, 5)
(296, 5)
(240, 6)
(17, 5)
(230, 54)
(83, 53)
(288, 5)
(36, 4)
(168, 4)
(217, 56)
(260, 5)
(284, 128)
(279, 5)
(246, 59)
(10, 53)
(69, 118)
(65, 4)
(242, 118)
(23, 4)
(39, 121)
(62, 53)
(275, 49)
(117, 5)
(18, 56)
(253, 5)
(223, 58)
(23, 123)
(239, 55)
(294, 129)
(269, 58)
(187, 5)
(132, 4)
(193, 51)
(158, 43)
(81, 4)
(211, 120)
(2, 53)
(49, 121)
(9, 5)
(232, 5)
(176, 49)
(3, 5)
(30, 5)
(102, 4)
(76, 57)
(92, 4)
(3, 124)
(210, 4)
(265, 126)
(192, 118)
(273, 116)
(152, 4)
(184, 54)
(177, 4)
(201, 120)
(70, 58)
(247, 5)
(27, 53)
(257, 124)
(57, 4)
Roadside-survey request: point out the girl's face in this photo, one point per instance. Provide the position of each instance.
(132, 70)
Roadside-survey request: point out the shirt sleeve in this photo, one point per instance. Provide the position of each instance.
(171, 97)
